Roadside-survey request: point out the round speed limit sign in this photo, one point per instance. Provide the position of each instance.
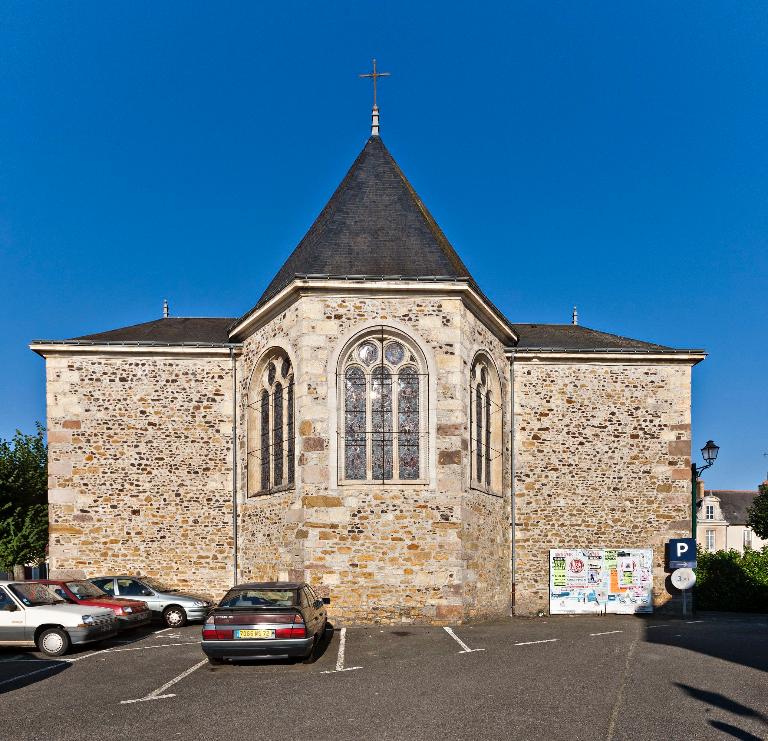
(683, 578)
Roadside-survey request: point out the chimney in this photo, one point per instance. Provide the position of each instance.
(166, 313)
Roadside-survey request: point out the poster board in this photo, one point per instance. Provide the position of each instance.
(600, 580)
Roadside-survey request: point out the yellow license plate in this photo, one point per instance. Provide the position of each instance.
(255, 634)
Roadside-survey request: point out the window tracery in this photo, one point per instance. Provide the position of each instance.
(383, 392)
(485, 422)
(271, 444)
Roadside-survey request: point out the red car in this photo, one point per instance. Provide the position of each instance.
(130, 613)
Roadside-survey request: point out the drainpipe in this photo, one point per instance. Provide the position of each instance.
(234, 464)
(513, 471)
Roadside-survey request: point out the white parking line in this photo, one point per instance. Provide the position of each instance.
(663, 625)
(161, 631)
(691, 622)
(156, 694)
(606, 633)
(530, 643)
(340, 656)
(467, 649)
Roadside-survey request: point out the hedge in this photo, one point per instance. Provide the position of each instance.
(732, 581)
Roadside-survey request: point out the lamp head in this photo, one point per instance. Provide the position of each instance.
(709, 451)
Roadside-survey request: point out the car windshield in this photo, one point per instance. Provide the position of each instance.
(84, 589)
(156, 585)
(259, 598)
(32, 595)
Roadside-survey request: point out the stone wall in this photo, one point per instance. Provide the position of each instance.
(140, 468)
(381, 553)
(602, 460)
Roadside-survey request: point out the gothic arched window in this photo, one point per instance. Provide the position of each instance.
(383, 393)
(486, 424)
(271, 442)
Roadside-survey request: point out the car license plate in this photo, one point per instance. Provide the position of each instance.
(254, 633)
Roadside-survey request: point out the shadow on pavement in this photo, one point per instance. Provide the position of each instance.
(730, 641)
(17, 674)
(734, 731)
(720, 701)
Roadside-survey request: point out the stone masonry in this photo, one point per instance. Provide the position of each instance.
(418, 553)
(602, 460)
(140, 468)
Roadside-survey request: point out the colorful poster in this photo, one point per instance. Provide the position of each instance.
(601, 581)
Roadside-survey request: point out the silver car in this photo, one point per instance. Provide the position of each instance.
(175, 609)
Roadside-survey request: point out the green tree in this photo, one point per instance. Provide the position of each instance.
(23, 535)
(757, 514)
(23, 497)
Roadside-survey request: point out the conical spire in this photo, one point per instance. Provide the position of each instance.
(375, 225)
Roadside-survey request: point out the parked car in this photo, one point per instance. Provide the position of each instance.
(265, 620)
(173, 607)
(130, 613)
(32, 615)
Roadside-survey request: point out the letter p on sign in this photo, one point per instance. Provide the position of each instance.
(681, 553)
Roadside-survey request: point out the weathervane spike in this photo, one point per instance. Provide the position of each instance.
(375, 113)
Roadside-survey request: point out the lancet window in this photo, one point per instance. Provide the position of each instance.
(383, 392)
(486, 423)
(271, 443)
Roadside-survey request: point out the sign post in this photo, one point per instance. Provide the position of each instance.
(681, 559)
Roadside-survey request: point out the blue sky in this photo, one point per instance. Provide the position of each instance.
(610, 155)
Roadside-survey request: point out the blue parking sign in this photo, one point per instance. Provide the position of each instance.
(681, 553)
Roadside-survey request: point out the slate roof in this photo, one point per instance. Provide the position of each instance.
(169, 331)
(215, 331)
(733, 503)
(374, 225)
(571, 337)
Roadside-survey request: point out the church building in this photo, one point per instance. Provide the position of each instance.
(373, 425)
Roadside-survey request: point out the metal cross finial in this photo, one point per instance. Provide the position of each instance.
(375, 75)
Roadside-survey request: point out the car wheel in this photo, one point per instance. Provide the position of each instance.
(174, 617)
(53, 642)
(312, 655)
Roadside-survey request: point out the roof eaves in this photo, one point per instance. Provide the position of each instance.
(134, 343)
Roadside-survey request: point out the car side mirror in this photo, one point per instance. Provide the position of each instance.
(326, 600)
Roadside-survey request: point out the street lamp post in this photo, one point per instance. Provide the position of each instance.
(709, 454)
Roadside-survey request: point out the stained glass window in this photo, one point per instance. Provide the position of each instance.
(394, 353)
(381, 423)
(479, 433)
(355, 458)
(271, 433)
(290, 435)
(381, 391)
(368, 352)
(408, 422)
(264, 430)
(487, 446)
(486, 421)
(277, 436)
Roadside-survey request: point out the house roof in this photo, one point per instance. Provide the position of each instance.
(573, 337)
(733, 503)
(170, 331)
(374, 226)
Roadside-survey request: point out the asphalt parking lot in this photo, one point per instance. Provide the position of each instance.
(615, 677)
